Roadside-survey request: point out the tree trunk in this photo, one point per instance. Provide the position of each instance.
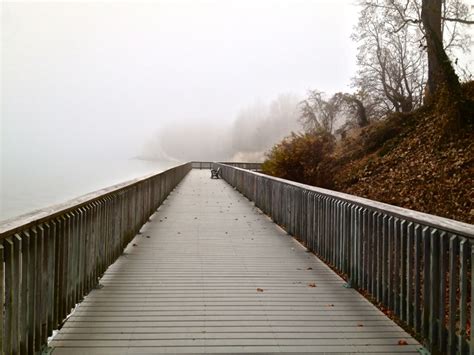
(361, 113)
(440, 70)
(443, 87)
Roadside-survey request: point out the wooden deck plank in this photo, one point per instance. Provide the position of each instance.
(211, 274)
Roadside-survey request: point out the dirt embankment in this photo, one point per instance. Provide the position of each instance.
(412, 162)
(408, 160)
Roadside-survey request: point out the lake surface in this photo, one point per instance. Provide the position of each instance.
(31, 185)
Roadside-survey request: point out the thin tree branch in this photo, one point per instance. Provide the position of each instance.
(459, 20)
(405, 22)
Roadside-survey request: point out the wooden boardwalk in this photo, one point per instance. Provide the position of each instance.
(211, 274)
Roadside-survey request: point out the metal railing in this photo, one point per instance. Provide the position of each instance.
(247, 166)
(209, 165)
(417, 266)
(201, 164)
(50, 259)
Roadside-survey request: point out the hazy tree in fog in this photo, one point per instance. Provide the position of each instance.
(403, 45)
(356, 107)
(245, 128)
(319, 114)
(339, 113)
(259, 126)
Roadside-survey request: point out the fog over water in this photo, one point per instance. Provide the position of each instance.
(88, 87)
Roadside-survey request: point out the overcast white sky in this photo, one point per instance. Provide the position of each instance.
(105, 76)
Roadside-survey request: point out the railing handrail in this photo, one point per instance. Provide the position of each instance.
(12, 225)
(447, 224)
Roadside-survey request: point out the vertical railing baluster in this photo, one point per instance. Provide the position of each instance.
(434, 287)
(390, 262)
(80, 254)
(32, 271)
(403, 271)
(44, 286)
(347, 240)
(380, 258)
(386, 260)
(57, 263)
(24, 293)
(443, 266)
(417, 266)
(373, 252)
(16, 286)
(463, 288)
(353, 250)
(51, 245)
(38, 319)
(410, 249)
(63, 267)
(396, 266)
(426, 282)
(9, 259)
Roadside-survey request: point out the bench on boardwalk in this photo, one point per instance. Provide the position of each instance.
(215, 173)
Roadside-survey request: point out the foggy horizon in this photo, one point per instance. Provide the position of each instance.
(110, 78)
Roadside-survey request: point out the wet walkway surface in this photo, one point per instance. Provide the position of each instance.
(211, 274)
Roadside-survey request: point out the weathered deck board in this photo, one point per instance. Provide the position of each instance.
(190, 284)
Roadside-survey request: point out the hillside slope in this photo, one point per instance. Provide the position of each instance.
(408, 161)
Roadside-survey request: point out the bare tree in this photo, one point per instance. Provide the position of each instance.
(391, 65)
(353, 107)
(392, 34)
(317, 113)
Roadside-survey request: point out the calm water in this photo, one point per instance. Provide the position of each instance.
(27, 186)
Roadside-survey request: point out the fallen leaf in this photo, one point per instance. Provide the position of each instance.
(360, 325)
(402, 342)
(259, 289)
(309, 268)
(312, 284)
